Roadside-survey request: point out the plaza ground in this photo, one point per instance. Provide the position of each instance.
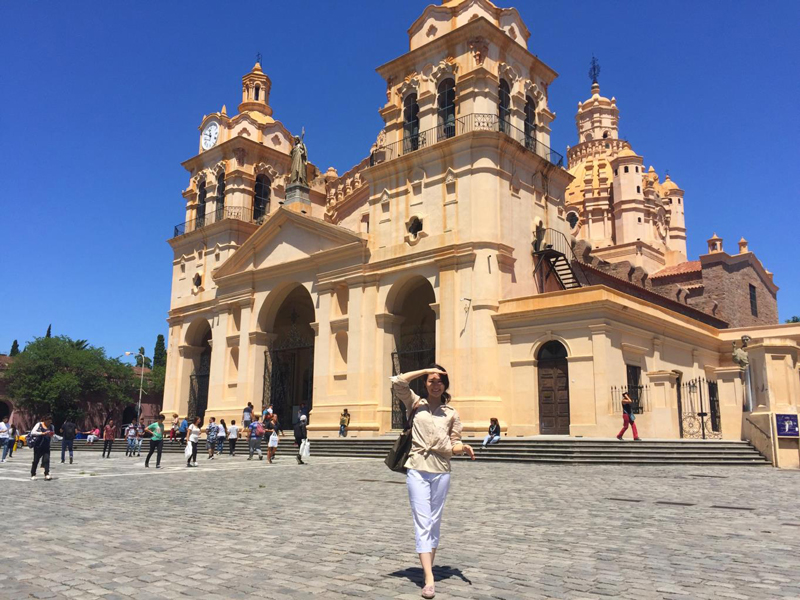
(341, 528)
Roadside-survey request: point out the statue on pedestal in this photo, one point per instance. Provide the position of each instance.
(299, 161)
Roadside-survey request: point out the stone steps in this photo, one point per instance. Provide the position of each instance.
(527, 450)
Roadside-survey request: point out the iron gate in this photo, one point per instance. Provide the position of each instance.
(415, 356)
(198, 387)
(698, 410)
(289, 375)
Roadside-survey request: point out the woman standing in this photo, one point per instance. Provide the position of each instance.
(435, 438)
(194, 432)
(13, 434)
(272, 431)
(494, 433)
(628, 418)
(222, 435)
(108, 438)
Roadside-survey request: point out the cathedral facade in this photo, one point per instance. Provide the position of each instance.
(463, 238)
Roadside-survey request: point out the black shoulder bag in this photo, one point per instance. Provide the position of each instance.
(398, 455)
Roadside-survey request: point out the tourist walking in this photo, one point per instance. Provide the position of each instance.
(222, 435)
(5, 437)
(257, 431)
(233, 436)
(68, 432)
(435, 438)
(183, 428)
(628, 418)
(42, 433)
(193, 432)
(173, 432)
(302, 410)
(13, 435)
(247, 415)
(344, 423)
(130, 439)
(140, 429)
(300, 436)
(156, 431)
(211, 437)
(272, 426)
(108, 438)
(494, 433)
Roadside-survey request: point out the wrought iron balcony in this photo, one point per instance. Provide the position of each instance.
(238, 213)
(460, 126)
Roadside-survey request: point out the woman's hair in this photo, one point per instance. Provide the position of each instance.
(445, 382)
(493, 420)
(626, 395)
(196, 419)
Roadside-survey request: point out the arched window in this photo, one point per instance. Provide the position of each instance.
(446, 109)
(261, 198)
(530, 123)
(200, 211)
(258, 91)
(504, 106)
(220, 195)
(410, 124)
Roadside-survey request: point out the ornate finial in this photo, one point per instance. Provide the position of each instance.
(258, 57)
(594, 69)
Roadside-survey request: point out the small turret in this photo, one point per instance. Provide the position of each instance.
(255, 91)
(714, 244)
(743, 249)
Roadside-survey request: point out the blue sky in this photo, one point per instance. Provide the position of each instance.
(100, 103)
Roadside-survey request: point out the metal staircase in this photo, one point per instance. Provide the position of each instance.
(554, 257)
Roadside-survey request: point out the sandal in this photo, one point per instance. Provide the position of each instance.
(428, 591)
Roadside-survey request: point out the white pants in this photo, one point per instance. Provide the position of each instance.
(427, 493)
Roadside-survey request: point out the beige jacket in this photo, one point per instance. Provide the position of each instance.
(433, 433)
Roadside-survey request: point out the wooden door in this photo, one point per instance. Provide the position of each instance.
(553, 397)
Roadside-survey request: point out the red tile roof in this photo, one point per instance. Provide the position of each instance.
(691, 266)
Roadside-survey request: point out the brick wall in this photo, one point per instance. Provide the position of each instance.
(728, 285)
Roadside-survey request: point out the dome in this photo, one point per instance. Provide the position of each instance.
(669, 185)
(626, 152)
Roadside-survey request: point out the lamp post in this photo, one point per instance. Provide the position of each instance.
(141, 384)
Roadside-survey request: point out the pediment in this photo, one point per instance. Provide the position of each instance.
(286, 237)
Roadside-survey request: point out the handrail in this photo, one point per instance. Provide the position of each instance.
(459, 126)
(239, 213)
(552, 239)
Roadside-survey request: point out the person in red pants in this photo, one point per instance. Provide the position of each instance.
(628, 418)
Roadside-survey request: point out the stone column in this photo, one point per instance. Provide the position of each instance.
(219, 355)
(600, 344)
(387, 324)
(664, 415)
(259, 341)
(188, 357)
(171, 398)
(730, 391)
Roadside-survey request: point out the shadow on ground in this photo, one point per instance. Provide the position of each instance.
(416, 575)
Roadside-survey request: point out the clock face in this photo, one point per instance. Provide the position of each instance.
(210, 135)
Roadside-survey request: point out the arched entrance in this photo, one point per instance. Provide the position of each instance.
(415, 337)
(128, 415)
(5, 410)
(553, 389)
(289, 364)
(200, 338)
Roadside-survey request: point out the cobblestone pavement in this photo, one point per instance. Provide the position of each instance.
(341, 528)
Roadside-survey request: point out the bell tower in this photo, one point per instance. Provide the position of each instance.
(255, 91)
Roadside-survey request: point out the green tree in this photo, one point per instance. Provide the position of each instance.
(48, 334)
(54, 375)
(14, 348)
(160, 353)
(147, 363)
(794, 319)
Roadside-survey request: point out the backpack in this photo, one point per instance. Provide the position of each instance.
(33, 441)
(260, 429)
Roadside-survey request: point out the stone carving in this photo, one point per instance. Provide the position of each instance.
(445, 67)
(480, 49)
(268, 170)
(245, 132)
(508, 73)
(410, 85)
(450, 177)
(740, 357)
(240, 154)
(389, 84)
(432, 31)
(276, 140)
